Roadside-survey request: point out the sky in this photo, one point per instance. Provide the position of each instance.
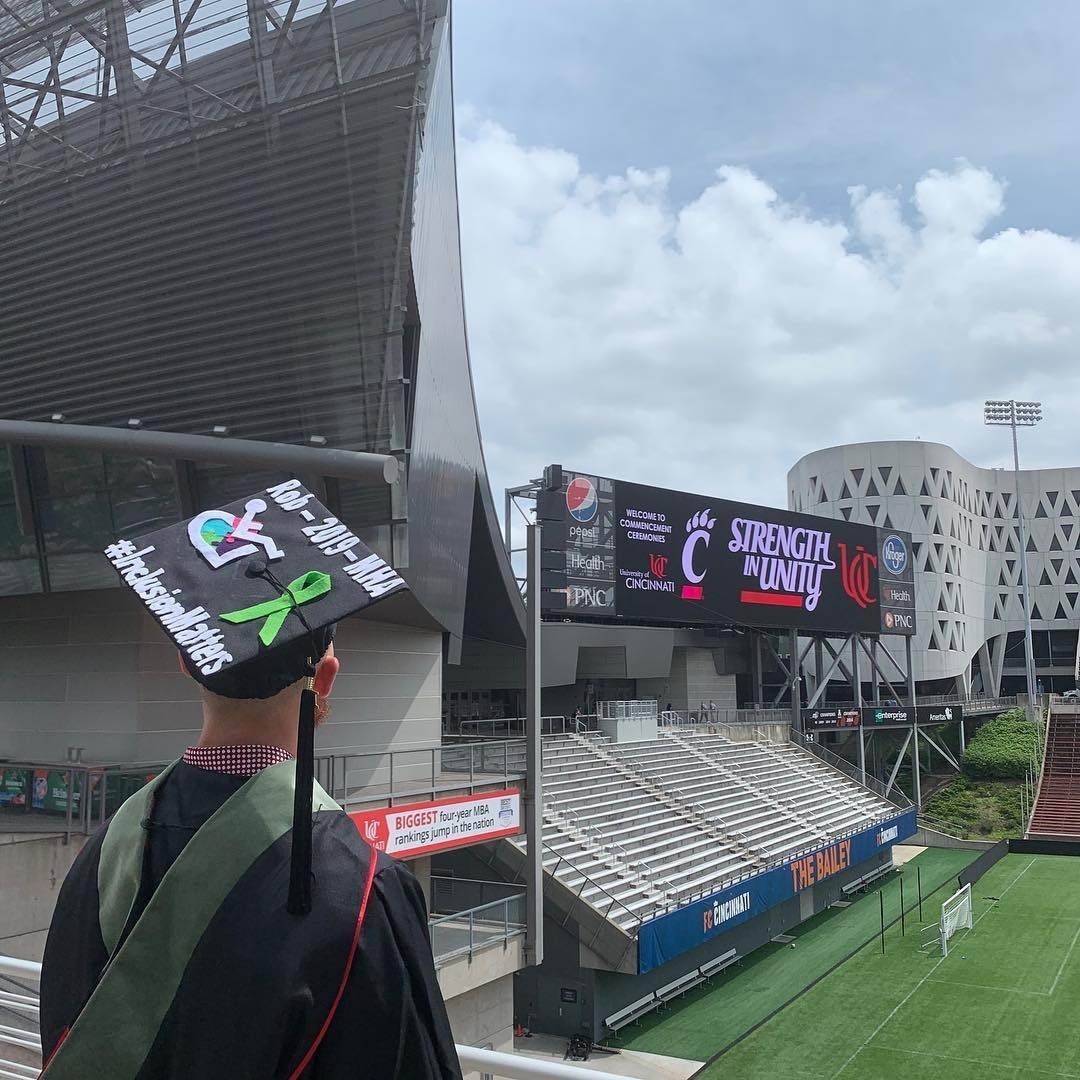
(702, 239)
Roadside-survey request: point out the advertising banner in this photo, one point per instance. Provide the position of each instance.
(618, 550)
(14, 786)
(420, 828)
(877, 716)
(830, 719)
(50, 791)
(939, 714)
(668, 936)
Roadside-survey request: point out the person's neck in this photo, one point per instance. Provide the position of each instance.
(272, 722)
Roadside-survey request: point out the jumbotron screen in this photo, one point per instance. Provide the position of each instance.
(617, 550)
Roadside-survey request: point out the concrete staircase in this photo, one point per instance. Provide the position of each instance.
(1057, 809)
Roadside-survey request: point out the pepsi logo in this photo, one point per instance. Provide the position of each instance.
(581, 499)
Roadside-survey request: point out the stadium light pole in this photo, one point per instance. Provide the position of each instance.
(1014, 414)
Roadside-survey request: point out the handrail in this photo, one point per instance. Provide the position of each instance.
(842, 765)
(471, 1058)
(89, 796)
(596, 885)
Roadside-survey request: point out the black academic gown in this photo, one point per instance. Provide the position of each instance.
(261, 982)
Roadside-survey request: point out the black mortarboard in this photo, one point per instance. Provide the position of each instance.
(250, 594)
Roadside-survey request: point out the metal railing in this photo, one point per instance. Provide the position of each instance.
(896, 796)
(467, 932)
(75, 798)
(388, 777)
(509, 727)
(724, 717)
(67, 797)
(24, 1042)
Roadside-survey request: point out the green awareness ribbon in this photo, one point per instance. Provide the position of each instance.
(302, 590)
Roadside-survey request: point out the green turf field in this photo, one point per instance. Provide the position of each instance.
(1004, 1003)
(707, 1019)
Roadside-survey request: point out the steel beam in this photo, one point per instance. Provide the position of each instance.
(534, 759)
(371, 469)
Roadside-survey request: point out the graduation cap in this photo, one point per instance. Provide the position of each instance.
(250, 594)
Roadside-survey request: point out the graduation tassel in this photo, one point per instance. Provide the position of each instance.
(300, 867)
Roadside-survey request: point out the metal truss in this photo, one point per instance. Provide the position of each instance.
(80, 82)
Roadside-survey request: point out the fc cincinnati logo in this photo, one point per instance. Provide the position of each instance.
(894, 554)
(581, 499)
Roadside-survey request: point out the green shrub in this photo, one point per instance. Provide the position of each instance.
(1003, 748)
(982, 809)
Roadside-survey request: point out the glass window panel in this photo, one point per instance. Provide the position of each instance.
(79, 523)
(142, 494)
(66, 471)
(222, 484)
(130, 478)
(89, 570)
(7, 490)
(13, 543)
(19, 576)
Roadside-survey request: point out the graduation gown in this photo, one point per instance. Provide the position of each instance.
(254, 996)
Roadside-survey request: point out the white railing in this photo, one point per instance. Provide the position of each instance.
(491, 1062)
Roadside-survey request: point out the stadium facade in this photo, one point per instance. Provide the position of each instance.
(248, 226)
(238, 218)
(967, 556)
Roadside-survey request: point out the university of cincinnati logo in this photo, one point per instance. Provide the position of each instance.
(658, 566)
(856, 574)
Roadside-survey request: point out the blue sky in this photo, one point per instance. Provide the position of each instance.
(969, 287)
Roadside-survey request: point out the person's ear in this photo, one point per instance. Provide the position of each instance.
(326, 672)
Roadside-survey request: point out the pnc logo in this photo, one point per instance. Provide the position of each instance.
(855, 574)
(658, 566)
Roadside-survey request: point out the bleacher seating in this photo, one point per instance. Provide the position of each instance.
(635, 828)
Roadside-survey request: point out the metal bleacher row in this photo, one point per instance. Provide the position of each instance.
(638, 828)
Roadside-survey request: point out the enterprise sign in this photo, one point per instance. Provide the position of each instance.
(616, 550)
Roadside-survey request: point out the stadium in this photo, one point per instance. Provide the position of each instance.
(254, 205)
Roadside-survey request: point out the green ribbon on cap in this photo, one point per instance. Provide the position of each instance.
(300, 591)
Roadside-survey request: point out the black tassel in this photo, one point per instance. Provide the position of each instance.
(300, 867)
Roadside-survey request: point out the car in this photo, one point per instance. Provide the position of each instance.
(1071, 695)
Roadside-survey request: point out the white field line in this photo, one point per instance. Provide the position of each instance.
(996, 989)
(911, 993)
(1053, 985)
(978, 1061)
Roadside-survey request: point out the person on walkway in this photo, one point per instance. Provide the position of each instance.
(229, 922)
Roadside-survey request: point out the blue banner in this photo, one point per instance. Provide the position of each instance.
(663, 938)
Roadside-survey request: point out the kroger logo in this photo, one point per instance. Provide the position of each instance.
(894, 554)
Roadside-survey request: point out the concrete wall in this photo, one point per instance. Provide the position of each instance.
(484, 1017)
(693, 679)
(92, 669)
(32, 869)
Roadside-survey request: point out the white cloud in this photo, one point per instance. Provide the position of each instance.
(707, 346)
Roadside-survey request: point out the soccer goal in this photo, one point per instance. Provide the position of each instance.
(955, 915)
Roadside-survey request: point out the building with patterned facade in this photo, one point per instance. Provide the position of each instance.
(967, 555)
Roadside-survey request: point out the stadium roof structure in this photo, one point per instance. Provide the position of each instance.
(240, 217)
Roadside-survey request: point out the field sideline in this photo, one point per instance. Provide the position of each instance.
(1004, 1003)
(709, 1018)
